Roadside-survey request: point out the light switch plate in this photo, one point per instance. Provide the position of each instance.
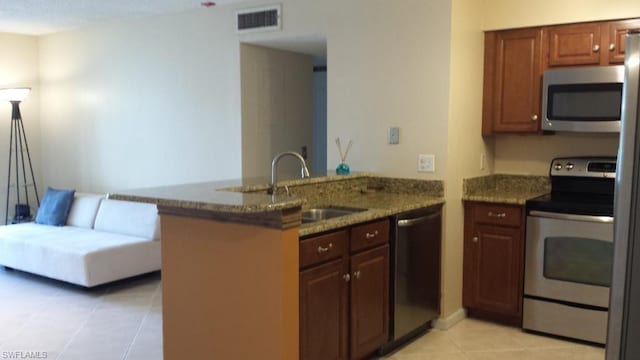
(426, 163)
(393, 135)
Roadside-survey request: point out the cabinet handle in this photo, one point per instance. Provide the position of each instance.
(498, 215)
(612, 47)
(324, 249)
(534, 117)
(371, 235)
(346, 277)
(475, 239)
(356, 274)
(596, 48)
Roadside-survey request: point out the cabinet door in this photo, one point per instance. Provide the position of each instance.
(617, 32)
(578, 44)
(323, 311)
(514, 70)
(495, 270)
(369, 301)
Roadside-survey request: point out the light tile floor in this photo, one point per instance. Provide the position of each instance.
(124, 322)
(473, 339)
(46, 319)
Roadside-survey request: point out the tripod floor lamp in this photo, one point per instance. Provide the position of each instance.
(18, 148)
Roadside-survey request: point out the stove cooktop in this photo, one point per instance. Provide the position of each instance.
(579, 185)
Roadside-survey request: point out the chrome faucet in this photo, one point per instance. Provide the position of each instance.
(304, 172)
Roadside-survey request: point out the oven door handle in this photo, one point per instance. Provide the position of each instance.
(561, 216)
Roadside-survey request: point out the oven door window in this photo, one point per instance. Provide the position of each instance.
(578, 260)
(584, 102)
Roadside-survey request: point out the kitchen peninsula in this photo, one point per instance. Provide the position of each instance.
(230, 256)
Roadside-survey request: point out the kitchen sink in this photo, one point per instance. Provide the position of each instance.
(325, 213)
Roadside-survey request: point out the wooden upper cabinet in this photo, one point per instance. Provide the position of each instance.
(512, 81)
(578, 44)
(617, 32)
(597, 43)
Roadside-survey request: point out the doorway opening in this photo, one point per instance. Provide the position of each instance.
(284, 105)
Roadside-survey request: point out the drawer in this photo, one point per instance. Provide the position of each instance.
(368, 235)
(322, 248)
(498, 214)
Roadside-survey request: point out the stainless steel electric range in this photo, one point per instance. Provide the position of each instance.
(569, 250)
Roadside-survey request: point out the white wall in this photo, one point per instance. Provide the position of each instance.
(140, 103)
(277, 109)
(505, 14)
(464, 142)
(19, 68)
(388, 66)
(531, 155)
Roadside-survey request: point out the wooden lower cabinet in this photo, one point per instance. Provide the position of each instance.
(344, 299)
(494, 262)
(369, 301)
(324, 311)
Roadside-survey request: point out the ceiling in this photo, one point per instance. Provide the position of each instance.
(38, 17)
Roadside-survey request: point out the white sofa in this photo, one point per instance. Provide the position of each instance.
(104, 240)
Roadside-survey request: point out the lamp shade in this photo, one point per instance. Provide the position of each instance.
(14, 94)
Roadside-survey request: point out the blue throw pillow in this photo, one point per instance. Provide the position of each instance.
(55, 207)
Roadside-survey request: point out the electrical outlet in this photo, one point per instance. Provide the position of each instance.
(426, 163)
(393, 135)
(483, 161)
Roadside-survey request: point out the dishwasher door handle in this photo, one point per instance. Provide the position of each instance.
(418, 220)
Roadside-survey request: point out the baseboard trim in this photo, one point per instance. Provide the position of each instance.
(449, 321)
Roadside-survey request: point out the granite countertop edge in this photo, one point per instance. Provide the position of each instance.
(505, 188)
(207, 206)
(514, 199)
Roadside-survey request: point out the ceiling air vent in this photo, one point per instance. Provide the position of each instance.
(259, 19)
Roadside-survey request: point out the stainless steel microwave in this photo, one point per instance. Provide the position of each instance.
(582, 99)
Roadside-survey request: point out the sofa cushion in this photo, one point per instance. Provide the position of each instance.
(77, 255)
(55, 207)
(128, 218)
(84, 209)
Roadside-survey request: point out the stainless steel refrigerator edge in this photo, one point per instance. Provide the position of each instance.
(624, 316)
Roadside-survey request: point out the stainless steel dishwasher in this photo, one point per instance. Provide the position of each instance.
(415, 274)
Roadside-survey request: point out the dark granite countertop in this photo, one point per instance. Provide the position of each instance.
(247, 201)
(505, 189)
(208, 196)
(379, 205)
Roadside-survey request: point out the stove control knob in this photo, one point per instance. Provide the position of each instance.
(569, 166)
(557, 167)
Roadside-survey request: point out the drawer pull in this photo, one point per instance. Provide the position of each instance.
(475, 239)
(356, 274)
(612, 47)
(371, 235)
(346, 277)
(325, 249)
(497, 215)
(596, 48)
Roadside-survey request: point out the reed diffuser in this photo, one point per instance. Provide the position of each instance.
(343, 168)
